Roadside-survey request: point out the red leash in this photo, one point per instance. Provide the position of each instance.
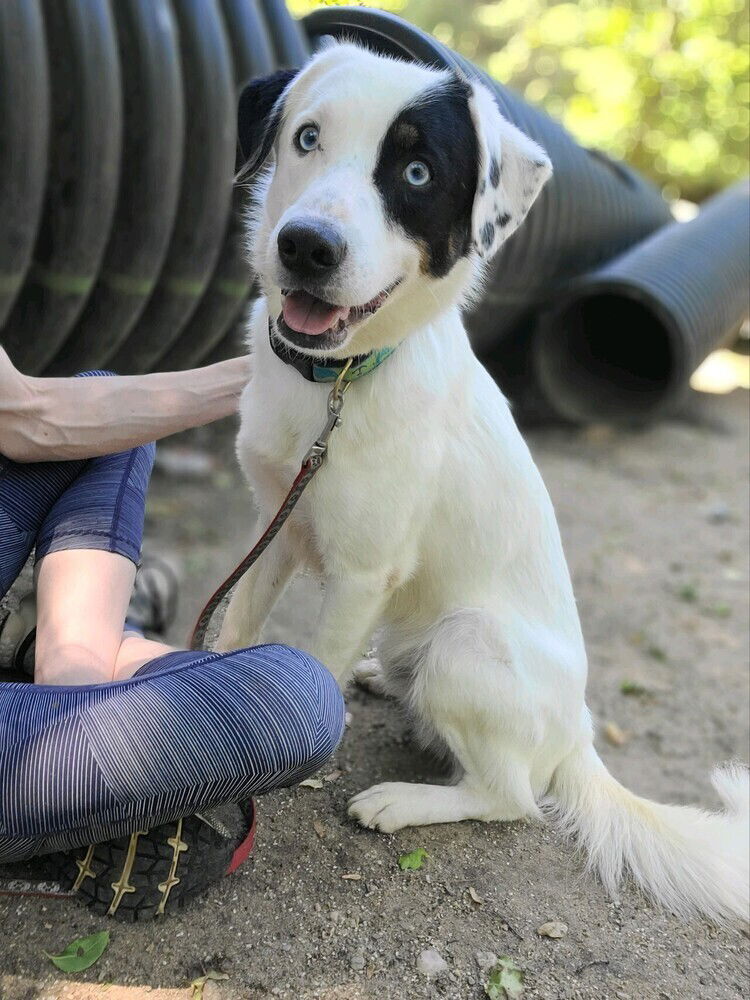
(312, 461)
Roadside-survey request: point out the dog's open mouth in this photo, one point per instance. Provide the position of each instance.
(305, 316)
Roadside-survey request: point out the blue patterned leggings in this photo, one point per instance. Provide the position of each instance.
(189, 731)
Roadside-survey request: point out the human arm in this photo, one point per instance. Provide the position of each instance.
(46, 419)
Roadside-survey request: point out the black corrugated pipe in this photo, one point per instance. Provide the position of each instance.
(154, 130)
(24, 134)
(206, 189)
(288, 37)
(621, 344)
(83, 167)
(224, 300)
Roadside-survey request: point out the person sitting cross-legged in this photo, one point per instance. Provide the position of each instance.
(134, 761)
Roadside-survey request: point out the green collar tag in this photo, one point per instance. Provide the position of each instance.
(362, 365)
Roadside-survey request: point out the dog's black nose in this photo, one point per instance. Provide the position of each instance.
(310, 249)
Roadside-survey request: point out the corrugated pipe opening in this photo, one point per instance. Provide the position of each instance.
(607, 356)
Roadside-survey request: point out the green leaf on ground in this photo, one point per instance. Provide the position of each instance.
(506, 980)
(413, 861)
(633, 688)
(81, 953)
(718, 611)
(198, 984)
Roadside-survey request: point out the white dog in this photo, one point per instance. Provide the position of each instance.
(383, 187)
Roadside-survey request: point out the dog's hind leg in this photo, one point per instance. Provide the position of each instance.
(255, 595)
(467, 689)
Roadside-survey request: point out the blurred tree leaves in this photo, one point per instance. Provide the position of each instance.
(662, 84)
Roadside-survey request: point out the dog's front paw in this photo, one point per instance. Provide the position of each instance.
(368, 674)
(385, 807)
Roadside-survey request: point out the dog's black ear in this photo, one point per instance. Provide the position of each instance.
(258, 116)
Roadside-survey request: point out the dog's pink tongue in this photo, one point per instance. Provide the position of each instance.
(306, 314)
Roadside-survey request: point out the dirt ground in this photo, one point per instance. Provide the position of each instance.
(655, 526)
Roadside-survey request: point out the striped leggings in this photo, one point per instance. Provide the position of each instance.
(189, 731)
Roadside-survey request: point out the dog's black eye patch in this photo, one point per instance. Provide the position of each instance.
(436, 129)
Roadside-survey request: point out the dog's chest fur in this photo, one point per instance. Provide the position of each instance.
(383, 460)
(427, 481)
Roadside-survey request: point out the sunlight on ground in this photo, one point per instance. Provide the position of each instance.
(18, 987)
(65, 990)
(722, 372)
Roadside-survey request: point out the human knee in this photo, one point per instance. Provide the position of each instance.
(304, 699)
(70, 663)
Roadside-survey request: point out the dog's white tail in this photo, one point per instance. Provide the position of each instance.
(687, 860)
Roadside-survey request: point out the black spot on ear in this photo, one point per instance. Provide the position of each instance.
(487, 235)
(494, 172)
(482, 186)
(258, 117)
(539, 164)
(437, 215)
(503, 220)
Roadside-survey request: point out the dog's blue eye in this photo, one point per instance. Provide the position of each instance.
(417, 173)
(307, 138)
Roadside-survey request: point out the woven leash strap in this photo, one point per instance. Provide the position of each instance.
(305, 474)
(311, 463)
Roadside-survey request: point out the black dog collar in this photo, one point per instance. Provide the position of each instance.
(326, 369)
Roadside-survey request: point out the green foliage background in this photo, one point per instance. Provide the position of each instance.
(663, 85)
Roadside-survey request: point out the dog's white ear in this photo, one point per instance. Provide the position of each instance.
(512, 171)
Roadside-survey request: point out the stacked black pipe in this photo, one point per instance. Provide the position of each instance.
(120, 241)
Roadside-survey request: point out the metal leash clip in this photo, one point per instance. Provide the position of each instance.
(317, 453)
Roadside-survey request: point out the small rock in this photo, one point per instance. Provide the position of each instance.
(357, 961)
(311, 783)
(189, 463)
(431, 963)
(475, 897)
(616, 736)
(553, 929)
(486, 960)
(718, 513)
